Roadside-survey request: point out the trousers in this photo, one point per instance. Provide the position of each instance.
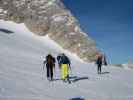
(64, 71)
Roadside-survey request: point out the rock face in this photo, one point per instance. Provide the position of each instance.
(50, 17)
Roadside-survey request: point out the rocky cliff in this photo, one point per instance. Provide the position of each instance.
(50, 17)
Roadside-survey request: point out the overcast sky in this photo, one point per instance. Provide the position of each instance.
(110, 23)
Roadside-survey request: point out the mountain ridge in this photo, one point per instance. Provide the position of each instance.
(52, 18)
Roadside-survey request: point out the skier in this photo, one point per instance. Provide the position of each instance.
(99, 63)
(50, 65)
(65, 66)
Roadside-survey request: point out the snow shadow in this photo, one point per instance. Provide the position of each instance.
(56, 79)
(104, 72)
(73, 78)
(76, 78)
(78, 98)
(6, 31)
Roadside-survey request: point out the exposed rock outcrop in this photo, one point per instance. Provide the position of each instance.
(50, 17)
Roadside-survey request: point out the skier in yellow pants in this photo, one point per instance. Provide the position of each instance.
(64, 71)
(65, 65)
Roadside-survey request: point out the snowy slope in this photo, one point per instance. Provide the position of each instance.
(22, 77)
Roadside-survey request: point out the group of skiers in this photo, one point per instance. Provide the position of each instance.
(63, 63)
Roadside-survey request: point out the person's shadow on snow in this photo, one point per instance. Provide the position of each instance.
(104, 72)
(6, 31)
(76, 78)
(78, 98)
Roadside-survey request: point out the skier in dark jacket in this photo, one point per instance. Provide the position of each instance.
(65, 66)
(50, 65)
(99, 63)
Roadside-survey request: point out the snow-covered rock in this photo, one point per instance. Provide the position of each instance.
(50, 17)
(128, 65)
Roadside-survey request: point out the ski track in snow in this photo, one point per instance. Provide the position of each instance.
(22, 77)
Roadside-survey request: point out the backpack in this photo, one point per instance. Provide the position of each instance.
(64, 60)
(50, 60)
